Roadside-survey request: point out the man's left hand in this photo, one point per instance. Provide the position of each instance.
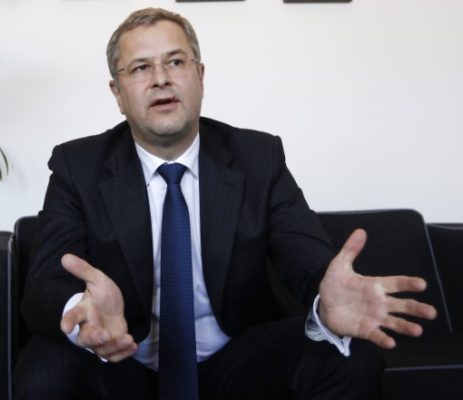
(360, 306)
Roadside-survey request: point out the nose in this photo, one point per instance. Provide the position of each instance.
(160, 77)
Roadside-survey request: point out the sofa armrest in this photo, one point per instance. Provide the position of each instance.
(447, 244)
(5, 317)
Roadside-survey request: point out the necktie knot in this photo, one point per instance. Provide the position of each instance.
(172, 173)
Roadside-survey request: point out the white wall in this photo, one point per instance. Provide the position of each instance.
(367, 96)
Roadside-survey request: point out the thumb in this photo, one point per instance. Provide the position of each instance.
(353, 246)
(79, 268)
(73, 317)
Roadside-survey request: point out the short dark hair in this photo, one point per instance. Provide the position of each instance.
(147, 17)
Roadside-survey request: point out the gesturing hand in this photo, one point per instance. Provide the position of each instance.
(359, 306)
(99, 314)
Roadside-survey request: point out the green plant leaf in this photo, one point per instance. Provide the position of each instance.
(5, 161)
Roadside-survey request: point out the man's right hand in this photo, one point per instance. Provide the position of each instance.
(99, 314)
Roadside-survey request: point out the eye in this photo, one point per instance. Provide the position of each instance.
(140, 68)
(175, 62)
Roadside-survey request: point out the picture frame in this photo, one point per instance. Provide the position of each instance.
(316, 1)
(197, 1)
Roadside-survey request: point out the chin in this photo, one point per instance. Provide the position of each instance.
(167, 135)
(170, 131)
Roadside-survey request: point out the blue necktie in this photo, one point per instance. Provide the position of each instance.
(178, 375)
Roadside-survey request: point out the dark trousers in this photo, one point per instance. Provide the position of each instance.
(270, 361)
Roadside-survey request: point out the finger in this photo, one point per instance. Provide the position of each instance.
(381, 339)
(402, 326)
(92, 336)
(353, 246)
(71, 318)
(115, 346)
(98, 336)
(123, 354)
(411, 307)
(80, 268)
(400, 283)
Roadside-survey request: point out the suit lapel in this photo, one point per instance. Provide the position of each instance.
(126, 201)
(221, 190)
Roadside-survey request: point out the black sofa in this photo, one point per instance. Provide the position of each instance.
(399, 243)
(430, 367)
(5, 317)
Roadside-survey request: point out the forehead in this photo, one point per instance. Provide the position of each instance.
(153, 40)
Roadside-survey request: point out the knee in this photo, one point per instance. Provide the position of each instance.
(32, 381)
(326, 374)
(366, 361)
(29, 383)
(366, 368)
(45, 370)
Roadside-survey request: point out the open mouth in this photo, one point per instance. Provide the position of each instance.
(164, 102)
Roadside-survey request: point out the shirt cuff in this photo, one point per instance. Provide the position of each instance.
(70, 304)
(315, 330)
(75, 332)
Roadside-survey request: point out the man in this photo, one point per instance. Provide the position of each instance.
(97, 275)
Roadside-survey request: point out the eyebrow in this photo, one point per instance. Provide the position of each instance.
(165, 55)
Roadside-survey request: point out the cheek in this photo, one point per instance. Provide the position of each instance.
(132, 103)
(195, 94)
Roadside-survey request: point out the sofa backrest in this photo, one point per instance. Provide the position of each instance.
(398, 244)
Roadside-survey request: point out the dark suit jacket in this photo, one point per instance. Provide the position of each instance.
(252, 211)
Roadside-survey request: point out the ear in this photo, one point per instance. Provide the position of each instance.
(201, 70)
(115, 88)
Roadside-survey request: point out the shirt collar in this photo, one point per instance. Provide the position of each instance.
(151, 163)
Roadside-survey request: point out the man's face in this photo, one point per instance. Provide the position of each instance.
(163, 109)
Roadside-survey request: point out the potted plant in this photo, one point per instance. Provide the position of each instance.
(4, 165)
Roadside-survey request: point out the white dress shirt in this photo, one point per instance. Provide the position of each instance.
(209, 337)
